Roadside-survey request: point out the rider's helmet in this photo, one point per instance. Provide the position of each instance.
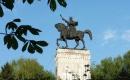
(74, 22)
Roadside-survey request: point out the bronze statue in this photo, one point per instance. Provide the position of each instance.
(71, 33)
(71, 24)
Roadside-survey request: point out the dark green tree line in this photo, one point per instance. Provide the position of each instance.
(112, 68)
(25, 69)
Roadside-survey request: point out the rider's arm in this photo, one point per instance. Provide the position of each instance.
(65, 20)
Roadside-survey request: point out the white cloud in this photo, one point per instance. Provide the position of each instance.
(114, 35)
(108, 36)
(126, 35)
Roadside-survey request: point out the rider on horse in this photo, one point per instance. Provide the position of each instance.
(72, 26)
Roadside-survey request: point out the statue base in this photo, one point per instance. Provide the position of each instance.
(72, 64)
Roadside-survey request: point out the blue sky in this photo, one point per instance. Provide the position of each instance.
(109, 21)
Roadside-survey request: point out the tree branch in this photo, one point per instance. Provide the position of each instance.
(3, 33)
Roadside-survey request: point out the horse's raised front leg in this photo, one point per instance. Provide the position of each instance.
(83, 44)
(57, 41)
(77, 43)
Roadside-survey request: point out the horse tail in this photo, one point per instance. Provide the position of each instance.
(89, 33)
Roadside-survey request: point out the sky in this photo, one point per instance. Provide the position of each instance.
(109, 21)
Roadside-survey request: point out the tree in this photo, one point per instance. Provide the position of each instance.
(104, 71)
(124, 74)
(10, 39)
(7, 72)
(25, 69)
(30, 69)
(112, 69)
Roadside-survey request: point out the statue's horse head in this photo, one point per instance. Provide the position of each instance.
(60, 27)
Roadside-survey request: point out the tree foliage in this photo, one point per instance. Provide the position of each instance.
(9, 4)
(7, 72)
(112, 69)
(25, 69)
(14, 33)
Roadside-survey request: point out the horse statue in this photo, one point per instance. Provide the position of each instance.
(64, 35)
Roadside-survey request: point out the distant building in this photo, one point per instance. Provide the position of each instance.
(73, 64)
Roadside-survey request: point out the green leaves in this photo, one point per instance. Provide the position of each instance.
(8, 4)
(34, 46)
(7, 72)
(34, 31)
(6, 39)
(53, 5)
(24, 1)
(11, 25)
(117, 68)
(1, 11)
(25, 46)
(25, 69)
(62, 3)
(14, 43)
(38, 49)
(42, 43)
(19, 33)
(11, 42)
(29, 1)
(22, 29)
(31, 48)
(17, 20)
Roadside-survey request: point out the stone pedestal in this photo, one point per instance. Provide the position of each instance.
(73, 64)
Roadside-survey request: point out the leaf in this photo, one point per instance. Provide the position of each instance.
(31, 48)
(42, 43)
(24, 1)
(33, 42)
(14, 43)
(25, 46)
(11, 25)
(53, 5)
(8, 46)
(17, 20)
(9, 43)
(20, 38)
(22, 29)
(62, 3)
(1, 11)
(8, 4)
(30, 1)
(38, 49)
(49, 1)
(6, 39)
(34, 31)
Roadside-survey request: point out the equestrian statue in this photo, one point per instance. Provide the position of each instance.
(69, 32)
